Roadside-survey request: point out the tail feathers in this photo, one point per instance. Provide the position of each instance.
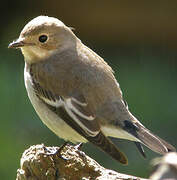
(107, 146)
(147, 138)
(169, 147)
(152, 141)
(140, 148)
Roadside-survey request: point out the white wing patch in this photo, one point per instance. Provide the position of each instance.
(73, 108)
(73, 112)
(56, 103)
(78, 102)
(70, 109)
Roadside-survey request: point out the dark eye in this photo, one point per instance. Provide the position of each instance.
(43, 38)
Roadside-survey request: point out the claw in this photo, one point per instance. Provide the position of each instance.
(78, 146)
(59, 150)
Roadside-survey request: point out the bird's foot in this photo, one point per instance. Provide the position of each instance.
(78, 146)
(57, 151)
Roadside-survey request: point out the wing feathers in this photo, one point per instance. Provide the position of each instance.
(77, 116)
(70, 104)
(77, 110)
(99, 140)
(82, 120)
(107, 146)
(140, 148)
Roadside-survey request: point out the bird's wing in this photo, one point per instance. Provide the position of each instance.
(76, 113)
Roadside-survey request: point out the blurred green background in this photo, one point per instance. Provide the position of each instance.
(137, 38)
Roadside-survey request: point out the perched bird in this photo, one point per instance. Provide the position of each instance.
(74, 91)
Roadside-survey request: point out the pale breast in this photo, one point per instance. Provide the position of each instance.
(49, 118)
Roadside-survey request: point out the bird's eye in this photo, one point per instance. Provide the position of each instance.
(43, 38)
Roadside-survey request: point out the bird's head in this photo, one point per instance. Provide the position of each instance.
(42, 37)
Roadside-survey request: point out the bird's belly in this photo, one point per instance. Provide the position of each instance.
(49, 118)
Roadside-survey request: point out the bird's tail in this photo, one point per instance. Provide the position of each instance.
(147, 138)
(154, 142)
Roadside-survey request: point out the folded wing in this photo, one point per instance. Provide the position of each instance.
(77, 115)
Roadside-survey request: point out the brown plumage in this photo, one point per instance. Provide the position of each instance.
(74, 91)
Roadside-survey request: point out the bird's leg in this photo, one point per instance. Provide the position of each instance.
(57, 152)
(78, 147)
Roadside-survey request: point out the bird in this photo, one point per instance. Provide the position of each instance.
(75, 93)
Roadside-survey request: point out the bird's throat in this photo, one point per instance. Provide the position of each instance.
(34, 54)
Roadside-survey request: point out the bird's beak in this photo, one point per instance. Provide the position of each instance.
(17, 43)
